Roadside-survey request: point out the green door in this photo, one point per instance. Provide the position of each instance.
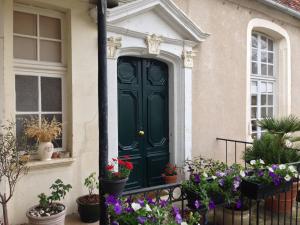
(143, 118)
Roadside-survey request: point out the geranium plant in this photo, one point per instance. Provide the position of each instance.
(146, 211)
(170, 170)
(119, 169)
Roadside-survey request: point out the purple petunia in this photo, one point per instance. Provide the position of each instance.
(118, 208)
(236, 183)
(275, 178)
(239, 204)
(114, 223)
(178, 218)
(197, 204)
(111, 200)
(197, 178)
(260, 173)
(211, 205)
(150, 201)
(141, 202)
(221, 182)
(141, 219)
(163, 203)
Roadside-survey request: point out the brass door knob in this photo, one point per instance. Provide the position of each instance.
(141, 133)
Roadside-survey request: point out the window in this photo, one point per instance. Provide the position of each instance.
(263, 80)
(39, 92)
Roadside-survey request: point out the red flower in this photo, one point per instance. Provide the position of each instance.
(121, 162)
(128, 165)
(109, 167)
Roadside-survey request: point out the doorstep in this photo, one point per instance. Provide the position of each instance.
(74, 220)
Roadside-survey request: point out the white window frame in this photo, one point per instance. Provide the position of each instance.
(24, 67)
(259, 78)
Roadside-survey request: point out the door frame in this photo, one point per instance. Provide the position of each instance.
(180, 103)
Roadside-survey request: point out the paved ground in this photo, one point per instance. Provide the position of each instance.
(74, 220)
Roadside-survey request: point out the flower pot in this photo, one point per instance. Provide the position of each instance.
(45, 150)
(112, 3)
(57, 219)
(286, 201)
(260, 191)
(170, 179)
(231, 216)
(88, 208)
(113, 187)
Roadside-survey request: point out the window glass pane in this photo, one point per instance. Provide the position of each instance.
(254, 54)
(254, 87)
(270, 87)
(50, 27)
(263, 69)
(270, 70)
(25, 48)
(263, 99)
(270, 112)
(254, 68)
(21, 139)
(25, 23)
(254, 136)
(263, 112)
(264, 56)
(254, 40)
(253, 100)
(51, 94)
(57, 142)
(27, 93)
(270, 45)
(263, 42)
(254, 126)
(270, 58)
(253, 112)
(50, 51)
(263, 87)
(270, 99)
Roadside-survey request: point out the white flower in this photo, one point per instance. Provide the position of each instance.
(147, 207)
(287, 177)
(282, 166)
(270, 169)
(261, 161)
(288, 144)
(242, 173)
(205, 175)
(292, 169)
(252, 162)
(183, 223)
(213, 177)
(135, 206)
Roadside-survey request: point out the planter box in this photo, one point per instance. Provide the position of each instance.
(192, 196)
(229, 217)
(260, 191)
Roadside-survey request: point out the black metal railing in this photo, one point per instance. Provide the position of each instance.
(280, 208)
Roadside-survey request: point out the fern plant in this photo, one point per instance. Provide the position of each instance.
(277, 144)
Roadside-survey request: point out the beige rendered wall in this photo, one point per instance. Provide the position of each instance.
(81, 101)
(219, 75)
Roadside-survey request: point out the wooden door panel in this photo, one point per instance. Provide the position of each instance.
(155, 167)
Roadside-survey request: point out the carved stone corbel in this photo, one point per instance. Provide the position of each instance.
(188, 58)
(113, 44)
(153, 43)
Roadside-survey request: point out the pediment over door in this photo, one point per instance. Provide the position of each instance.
(160, 17)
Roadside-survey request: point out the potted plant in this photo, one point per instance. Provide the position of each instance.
(265, 181)
(44, 132)
(230, 182)
(170, 174)
(278, 145)
(125, 211)
(13, 164)
(49, 211)
(88, 205)
(117, 172)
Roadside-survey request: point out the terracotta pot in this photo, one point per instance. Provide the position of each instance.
(170, 179)
(113, 187)
(45, 150)
(286, 201)
(112, 3)
(58, 219)
(228, 213)
(88, 212)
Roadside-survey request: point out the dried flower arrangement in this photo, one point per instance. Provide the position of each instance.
(44, 131)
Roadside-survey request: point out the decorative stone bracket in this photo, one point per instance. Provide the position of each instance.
(113, 44)
(188, 58)
(153, 43)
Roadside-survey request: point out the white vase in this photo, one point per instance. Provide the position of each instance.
(45, 150)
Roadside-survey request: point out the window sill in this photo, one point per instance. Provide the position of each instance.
(54, 163)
